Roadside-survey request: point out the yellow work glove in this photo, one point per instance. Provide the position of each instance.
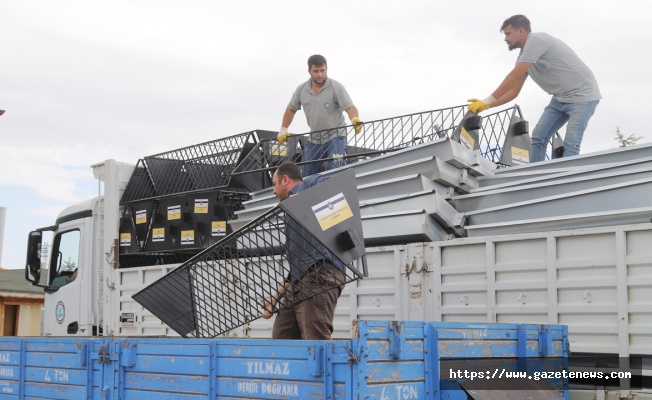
(283, 135)
(477, 106)
(357, 124)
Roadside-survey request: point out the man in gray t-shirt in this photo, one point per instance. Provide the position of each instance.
(555, 67)
(323, 100)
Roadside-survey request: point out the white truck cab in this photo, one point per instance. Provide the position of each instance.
(81, 259)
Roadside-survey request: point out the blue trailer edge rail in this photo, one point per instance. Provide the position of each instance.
(385, 360)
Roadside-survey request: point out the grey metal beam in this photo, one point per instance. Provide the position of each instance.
(444, 149)
(402, 228)
(588, 179)
(616, 197)
(392, 228)
(377, 189)
(524, 176)
(556, 223)
(260, 209)
(620, 154)
(396, 186)
(435, 205)
(431, 167)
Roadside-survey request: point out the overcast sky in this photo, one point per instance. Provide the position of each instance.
(85, 81)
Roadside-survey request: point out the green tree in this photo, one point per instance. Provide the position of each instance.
(69, 265)
(626, 141)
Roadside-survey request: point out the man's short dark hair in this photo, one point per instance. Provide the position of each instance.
(316, 60)
(291, 170)
(517, 21)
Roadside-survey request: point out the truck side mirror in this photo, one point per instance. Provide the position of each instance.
(33, 265)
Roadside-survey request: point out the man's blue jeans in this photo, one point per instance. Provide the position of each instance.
(316, 151)
(554, 116)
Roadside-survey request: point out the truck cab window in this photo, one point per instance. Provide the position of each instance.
(65, 258)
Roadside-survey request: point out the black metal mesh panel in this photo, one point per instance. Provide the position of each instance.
(225, 286)
(376, 138)
(207, 175)
(168, 176)
(202, 166)
(140, 185)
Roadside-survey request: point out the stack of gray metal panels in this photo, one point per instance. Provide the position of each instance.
(597, 189)
(405, 196)
(440, 190)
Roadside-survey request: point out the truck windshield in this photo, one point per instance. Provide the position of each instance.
(65, 258)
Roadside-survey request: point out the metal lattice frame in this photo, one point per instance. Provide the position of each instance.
(212, 164)
(202, 166)
(383, 136)
(225, 286)
(494, 130)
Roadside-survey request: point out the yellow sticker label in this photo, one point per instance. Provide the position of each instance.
(332, 211)
(218, 228)
(277, 149)
(174, 212)
(158, 234)
(466, 139)
(187, 237)
(141, 217)
(125, 239)
(201, 206)
(520, 156)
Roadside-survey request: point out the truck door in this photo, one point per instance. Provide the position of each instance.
(62, 316)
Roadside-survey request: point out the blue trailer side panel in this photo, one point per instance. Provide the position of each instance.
(402, 358)
(269, 369)
(386, 360)
(43, 367)
(11, 362)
